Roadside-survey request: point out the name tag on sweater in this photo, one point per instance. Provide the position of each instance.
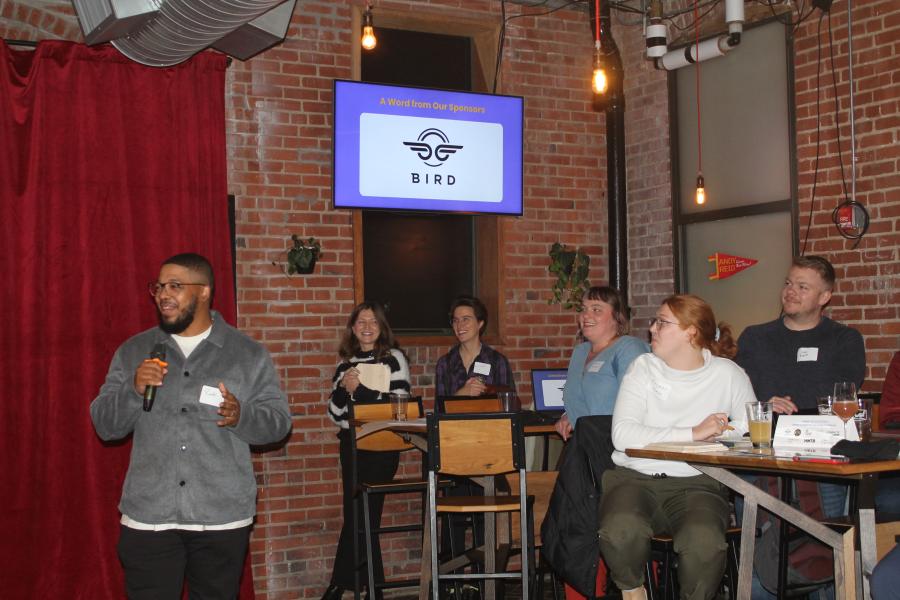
(482, 368)
(807, 354)
(661, 389)
(595, 366)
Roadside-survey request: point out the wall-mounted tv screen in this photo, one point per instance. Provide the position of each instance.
(404, 148)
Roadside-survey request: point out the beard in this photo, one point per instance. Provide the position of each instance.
(181, 323)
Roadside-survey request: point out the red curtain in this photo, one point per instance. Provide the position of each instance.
(107, 168)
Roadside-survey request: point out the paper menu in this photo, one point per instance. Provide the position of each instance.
(374, 376)
(814, 434)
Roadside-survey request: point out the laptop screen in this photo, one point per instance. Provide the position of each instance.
(547, 386)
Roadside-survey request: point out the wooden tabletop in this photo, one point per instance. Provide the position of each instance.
(763, 460)
(418, 426)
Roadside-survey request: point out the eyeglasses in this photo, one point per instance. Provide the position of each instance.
(173, 287)
(660, 323)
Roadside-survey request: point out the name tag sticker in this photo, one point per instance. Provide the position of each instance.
(660, 389)
(211, 395)
(807, 354)
(595, 366)
(482, 368)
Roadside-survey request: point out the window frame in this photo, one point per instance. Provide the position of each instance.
(488, 235)
(681, 220)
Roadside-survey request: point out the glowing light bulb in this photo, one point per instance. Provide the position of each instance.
(700, 197)
(600, 82)
(368, 40)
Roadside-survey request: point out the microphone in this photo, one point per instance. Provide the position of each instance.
(159, 354)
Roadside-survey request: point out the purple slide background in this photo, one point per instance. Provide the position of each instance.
(352, 98)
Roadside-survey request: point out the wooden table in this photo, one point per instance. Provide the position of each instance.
(862, 474)
(417, 428)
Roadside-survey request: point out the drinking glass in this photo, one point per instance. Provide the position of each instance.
(863, 419)
(824, 404)
(509, 401)
(845, 403)
(399, 401)
(759, 416)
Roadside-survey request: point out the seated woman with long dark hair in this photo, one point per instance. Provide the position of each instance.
(687, 389)
(367, 338)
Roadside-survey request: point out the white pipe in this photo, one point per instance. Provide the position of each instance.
(734, 15)
(711, 48)
(683, 57)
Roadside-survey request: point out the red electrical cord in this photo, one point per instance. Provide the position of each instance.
(596, 19)
(697, 64)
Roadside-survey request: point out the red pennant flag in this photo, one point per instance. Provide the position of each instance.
(728, 265)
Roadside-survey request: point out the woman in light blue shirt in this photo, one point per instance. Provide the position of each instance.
(598, 365)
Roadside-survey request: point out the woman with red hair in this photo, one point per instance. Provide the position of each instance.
(686, 389)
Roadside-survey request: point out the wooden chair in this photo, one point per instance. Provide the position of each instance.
(477, 445)
(382, 441)
(457, 527)
(467, 404)
(540, 485)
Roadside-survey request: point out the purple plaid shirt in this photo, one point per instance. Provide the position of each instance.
(452, 375)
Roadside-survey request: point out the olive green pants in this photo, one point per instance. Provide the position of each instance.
(693, 510)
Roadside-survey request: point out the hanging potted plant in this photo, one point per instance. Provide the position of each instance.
(571, 269)
(302, 257)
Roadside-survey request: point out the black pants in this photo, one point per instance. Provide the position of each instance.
(372, 467)
(156, 563)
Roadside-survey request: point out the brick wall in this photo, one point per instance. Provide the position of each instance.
(869, 276)
(280, 159)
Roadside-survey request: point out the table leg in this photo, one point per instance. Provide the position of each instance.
(838, 542)
(845, 579)
(784, 542)
(490, 542)
(865, 520)
(748, 546)
(425, 566)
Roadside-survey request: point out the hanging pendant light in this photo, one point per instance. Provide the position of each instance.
(600, 78)
(368, 40)
(700, 194)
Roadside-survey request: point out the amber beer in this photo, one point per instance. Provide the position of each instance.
(761, 434)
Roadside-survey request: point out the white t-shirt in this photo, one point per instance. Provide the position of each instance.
(657, 403)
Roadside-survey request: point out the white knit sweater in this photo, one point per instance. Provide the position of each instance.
(657, 403)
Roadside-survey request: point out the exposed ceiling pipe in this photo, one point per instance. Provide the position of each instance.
(711, 48)
(161, 33)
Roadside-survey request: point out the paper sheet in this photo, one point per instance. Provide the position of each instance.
(375, 377)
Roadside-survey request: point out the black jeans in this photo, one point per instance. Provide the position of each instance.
(372, 467)
(156, 563)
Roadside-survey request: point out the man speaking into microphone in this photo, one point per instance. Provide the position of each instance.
(196, 393)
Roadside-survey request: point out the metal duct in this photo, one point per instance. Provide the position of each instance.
(161, 33)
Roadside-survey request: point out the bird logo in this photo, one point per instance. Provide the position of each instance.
(433, 147)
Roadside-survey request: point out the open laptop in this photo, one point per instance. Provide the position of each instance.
(547, 389)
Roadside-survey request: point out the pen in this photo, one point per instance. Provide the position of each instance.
(827, 461)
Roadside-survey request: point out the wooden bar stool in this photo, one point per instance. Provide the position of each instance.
(382, 441)
(482, 445)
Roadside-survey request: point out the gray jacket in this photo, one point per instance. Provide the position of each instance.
(184, 468)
